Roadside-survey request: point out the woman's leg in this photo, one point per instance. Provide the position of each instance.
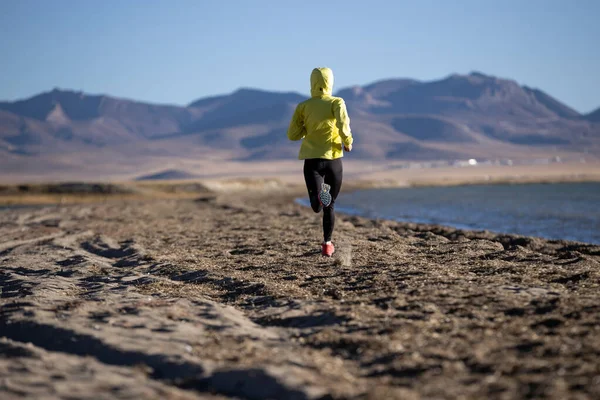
(313, 183)
(334, 172)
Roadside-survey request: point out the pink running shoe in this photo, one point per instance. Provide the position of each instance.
(328, 249)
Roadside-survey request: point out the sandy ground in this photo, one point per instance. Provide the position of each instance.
(226, 296)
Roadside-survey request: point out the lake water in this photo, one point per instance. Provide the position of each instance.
(568, 211)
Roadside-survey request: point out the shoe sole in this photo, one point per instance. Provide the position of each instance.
(324, 193)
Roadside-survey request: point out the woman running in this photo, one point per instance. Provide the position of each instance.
(323, 123)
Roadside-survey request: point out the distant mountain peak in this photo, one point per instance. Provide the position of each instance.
(477, 78)
(58, 92)
(250, 90)
(248, 97)
(393, 82)
(593, 116)
(479, 74)
(243, 90)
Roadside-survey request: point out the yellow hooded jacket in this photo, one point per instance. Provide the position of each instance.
(322, 121)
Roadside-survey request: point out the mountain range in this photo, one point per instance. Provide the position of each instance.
(460, 116)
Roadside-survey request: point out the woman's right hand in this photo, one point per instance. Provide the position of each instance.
(348, 148)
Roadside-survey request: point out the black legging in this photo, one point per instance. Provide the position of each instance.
(317, 170)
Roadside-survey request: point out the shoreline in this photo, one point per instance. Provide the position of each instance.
(34, 195)
(351, 212)
(41, 193)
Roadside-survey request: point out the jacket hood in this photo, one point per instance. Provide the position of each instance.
(321, 82)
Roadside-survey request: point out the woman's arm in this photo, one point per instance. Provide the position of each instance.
(342, 121)
(297, 130)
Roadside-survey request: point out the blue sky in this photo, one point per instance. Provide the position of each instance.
(179, 50)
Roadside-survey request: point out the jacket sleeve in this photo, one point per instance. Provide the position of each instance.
(297, 130)
(342, 121)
